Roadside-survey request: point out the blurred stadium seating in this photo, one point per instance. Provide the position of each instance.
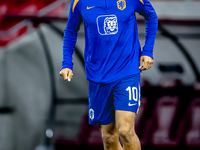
(15, 11)
(192, 124)
(11, 30)
(163, 118)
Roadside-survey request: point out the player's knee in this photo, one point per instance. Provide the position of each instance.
(126, 133)
(109, 139)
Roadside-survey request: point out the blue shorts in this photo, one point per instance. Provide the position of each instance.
(123, 94)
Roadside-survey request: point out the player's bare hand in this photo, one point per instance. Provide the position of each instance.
(66, 73)
(146, 62)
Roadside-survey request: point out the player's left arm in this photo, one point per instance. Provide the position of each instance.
(145, 9)
(70, 38)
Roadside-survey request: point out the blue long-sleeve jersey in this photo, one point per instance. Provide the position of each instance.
(112, 48)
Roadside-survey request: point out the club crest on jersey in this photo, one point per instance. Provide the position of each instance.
(107, 24)
(121, 4)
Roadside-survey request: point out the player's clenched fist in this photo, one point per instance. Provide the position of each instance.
(146, 62)
(66, 73)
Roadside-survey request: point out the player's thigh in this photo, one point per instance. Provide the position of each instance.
(125, 121)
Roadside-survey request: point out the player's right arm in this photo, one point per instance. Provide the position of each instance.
(69, 39)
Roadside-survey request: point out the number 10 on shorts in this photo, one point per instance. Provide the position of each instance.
(133, 93)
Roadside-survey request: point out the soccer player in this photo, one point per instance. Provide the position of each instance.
(113, 63)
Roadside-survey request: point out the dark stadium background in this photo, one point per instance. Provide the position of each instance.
(40, 111)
